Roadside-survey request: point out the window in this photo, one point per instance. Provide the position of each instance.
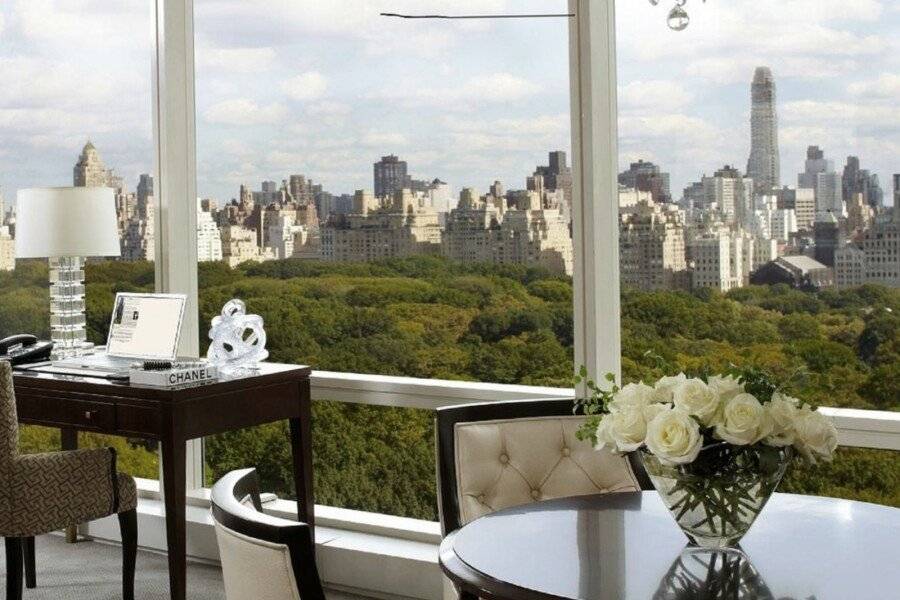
(733, 138)
(393, 197)
(75, 109)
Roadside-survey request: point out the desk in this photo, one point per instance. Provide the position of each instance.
(626, 546)
(173, 416)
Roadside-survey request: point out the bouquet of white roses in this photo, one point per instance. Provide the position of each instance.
(678, 416)
(714, 447)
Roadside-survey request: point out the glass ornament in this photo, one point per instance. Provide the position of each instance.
(678, 19)
(238, 339)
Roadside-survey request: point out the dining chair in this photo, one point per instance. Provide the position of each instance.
(497, 455)
(263, 557)
(41, 493)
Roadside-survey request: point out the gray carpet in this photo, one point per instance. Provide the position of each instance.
(92, 571)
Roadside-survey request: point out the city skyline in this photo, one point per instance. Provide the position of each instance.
(471, 105)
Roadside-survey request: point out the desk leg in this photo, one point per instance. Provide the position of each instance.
(173, 467)
(301, 450)
(69, 441)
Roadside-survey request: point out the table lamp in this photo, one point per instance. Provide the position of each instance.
(67, 225)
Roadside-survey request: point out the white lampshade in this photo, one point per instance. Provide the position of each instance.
(75, 221)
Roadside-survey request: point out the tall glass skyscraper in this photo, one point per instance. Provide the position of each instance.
(764, 163)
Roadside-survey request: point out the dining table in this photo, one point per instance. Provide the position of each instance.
(627, 546)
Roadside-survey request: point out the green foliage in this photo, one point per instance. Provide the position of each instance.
(432, 318)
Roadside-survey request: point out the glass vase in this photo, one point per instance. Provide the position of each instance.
(716, 498)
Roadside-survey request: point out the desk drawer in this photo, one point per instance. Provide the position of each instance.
(85, 415)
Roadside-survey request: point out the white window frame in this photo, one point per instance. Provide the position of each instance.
(592, 68)
(403, 551)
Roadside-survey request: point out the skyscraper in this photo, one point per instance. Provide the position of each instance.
(645, 176)
(856, 180)
(89, 171)
(557, 175)
(390, 176)
(764, 163)
(897, 196)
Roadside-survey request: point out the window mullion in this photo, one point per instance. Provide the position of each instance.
(176, 187)
(592, 60)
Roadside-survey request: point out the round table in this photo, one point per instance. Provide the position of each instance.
(627, 546)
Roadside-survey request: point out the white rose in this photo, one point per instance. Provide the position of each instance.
(651, 410)
(633, 395)
(604, 435)
(744, 421)
(696, 398)
(627, 429)
(782, 413)
(664, 387)
(726, 387)
(815, 435)
(673, 436)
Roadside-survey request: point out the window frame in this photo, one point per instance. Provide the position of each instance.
(592, 68)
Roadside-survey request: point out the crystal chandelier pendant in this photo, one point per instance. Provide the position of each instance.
(678, 19)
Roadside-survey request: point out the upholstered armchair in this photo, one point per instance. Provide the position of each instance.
(40, 493)
(263, 557)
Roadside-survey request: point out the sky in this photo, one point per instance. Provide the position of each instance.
(326, 88)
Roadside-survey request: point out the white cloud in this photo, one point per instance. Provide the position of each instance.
(844, 114)
(306, 86)
(328, 108)
(653, 94)
(766, 30)
(886, 86)
(244, 111)
(33, 81)
(235, 60)
(126, 25)
(384, 139)
(500, 87)
(492, 88)
(739, 69)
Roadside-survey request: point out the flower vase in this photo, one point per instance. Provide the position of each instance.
(717, 497)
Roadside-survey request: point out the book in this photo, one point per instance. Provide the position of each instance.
(180, 373)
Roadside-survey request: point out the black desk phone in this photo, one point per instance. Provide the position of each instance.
(24, 348)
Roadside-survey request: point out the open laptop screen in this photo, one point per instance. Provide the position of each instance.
(145, 326)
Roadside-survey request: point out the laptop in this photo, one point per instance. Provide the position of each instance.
(143, 327)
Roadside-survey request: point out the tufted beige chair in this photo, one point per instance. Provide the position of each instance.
(40, 493)
(502, 454)
(497, 455)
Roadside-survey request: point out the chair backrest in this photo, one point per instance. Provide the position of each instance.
(501, 454)
(263, 557)
(9, 426)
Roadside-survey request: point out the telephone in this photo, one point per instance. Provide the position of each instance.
(24, 348)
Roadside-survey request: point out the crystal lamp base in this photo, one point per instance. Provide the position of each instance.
(68, 324)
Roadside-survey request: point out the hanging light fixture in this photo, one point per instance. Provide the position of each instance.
(678, 18)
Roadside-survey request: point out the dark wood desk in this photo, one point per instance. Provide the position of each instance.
(173, 416)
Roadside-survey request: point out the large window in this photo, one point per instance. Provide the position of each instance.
(75, 109)
(756, 225)
(393, 197)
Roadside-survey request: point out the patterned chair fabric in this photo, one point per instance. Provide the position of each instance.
(40, 493)
(511, 462)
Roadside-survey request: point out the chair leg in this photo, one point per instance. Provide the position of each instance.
(28, 556)
(128, 528)
(13, 568)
